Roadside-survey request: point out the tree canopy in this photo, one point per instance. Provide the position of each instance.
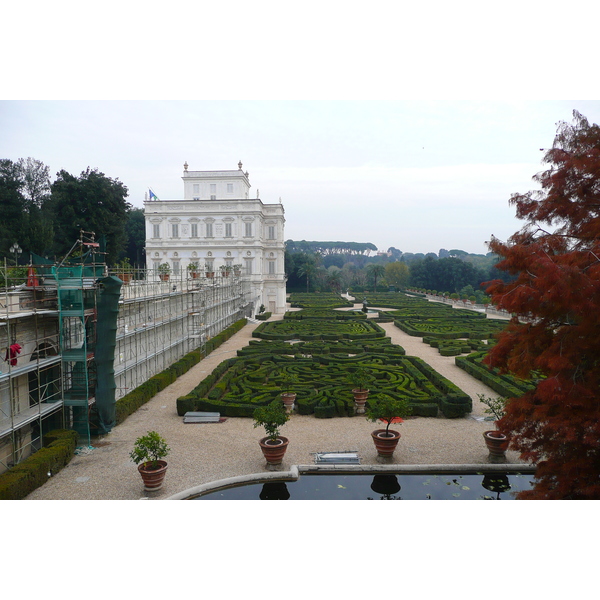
(326, 248)
(555, 336)
(91, 202)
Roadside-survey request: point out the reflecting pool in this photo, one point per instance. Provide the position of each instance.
(387, 486)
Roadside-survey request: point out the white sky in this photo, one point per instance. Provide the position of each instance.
(408, 128)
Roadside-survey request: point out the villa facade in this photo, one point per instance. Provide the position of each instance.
(220, 230)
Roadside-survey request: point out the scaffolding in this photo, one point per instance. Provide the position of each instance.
(88, 336)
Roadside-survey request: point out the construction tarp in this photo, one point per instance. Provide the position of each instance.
(106, 341)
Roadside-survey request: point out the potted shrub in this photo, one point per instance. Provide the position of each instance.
(209, 270)
(225, 270)
(237, 270)
(193, 269)
(359, 380)
(164, 270)
(496, 442)
(124, 269)
(288, 380)
(272, 417)
(148, 452)
(389, 410)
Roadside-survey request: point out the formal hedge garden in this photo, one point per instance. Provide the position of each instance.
(324, 313)
(318, 329)
(452, 328)
(311, 300)
(323, 374)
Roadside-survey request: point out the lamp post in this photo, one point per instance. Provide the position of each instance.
(16, 250)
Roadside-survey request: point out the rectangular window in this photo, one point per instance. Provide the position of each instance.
(248, 266)
(271, 232)
(228, 230)
(196, 189)
(230, 188)
(155, 231)
(194, 230)
(248, 230)
(175, 267)
(209, 266)
(271, 267)
(213, 191)
(175, 227)
(209, 230)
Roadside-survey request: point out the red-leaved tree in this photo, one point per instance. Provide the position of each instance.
(555, 295)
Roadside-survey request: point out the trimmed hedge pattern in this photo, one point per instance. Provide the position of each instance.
(318, 329)
(24, 478)
(313, 300)
(324, 382)
(503, 384)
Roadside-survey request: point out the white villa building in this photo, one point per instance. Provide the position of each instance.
(221, 229)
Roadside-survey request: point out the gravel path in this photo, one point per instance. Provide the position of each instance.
(106, 472)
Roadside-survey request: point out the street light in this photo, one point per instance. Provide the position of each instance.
(16, 250)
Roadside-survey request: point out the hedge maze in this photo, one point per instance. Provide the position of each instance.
(321, 351)
(323, 382)
(315, 329)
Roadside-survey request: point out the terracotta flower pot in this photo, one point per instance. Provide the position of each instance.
(164, 277)
(497, 445)
(385, 446)
(273, 451)
(153, 478)
(288, 401)
(360, 399)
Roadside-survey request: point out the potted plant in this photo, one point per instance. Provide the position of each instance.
(164, 270)
(273, 446)
(389, 410)
(124, 269)
(148, 452)
(359, 379)
(225, 270)
(496, 442)
(209, 270)
(287, 396)
(193, 269)
(237, 270)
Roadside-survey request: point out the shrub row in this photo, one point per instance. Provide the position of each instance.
(24, 478)
(503, 384)
(313, 300)
(263, 316)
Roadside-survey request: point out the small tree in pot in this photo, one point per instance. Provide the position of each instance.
(288, 380)
(149, 450)
(496, 442)
(272, 417)
(360, 379)
(389, 410)
(164, 271)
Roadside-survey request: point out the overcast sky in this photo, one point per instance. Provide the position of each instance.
(416, 174)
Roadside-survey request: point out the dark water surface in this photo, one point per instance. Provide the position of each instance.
(335, 486)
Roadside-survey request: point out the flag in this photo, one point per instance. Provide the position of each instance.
(153, 196)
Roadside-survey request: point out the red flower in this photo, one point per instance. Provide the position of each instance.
(393, 420)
